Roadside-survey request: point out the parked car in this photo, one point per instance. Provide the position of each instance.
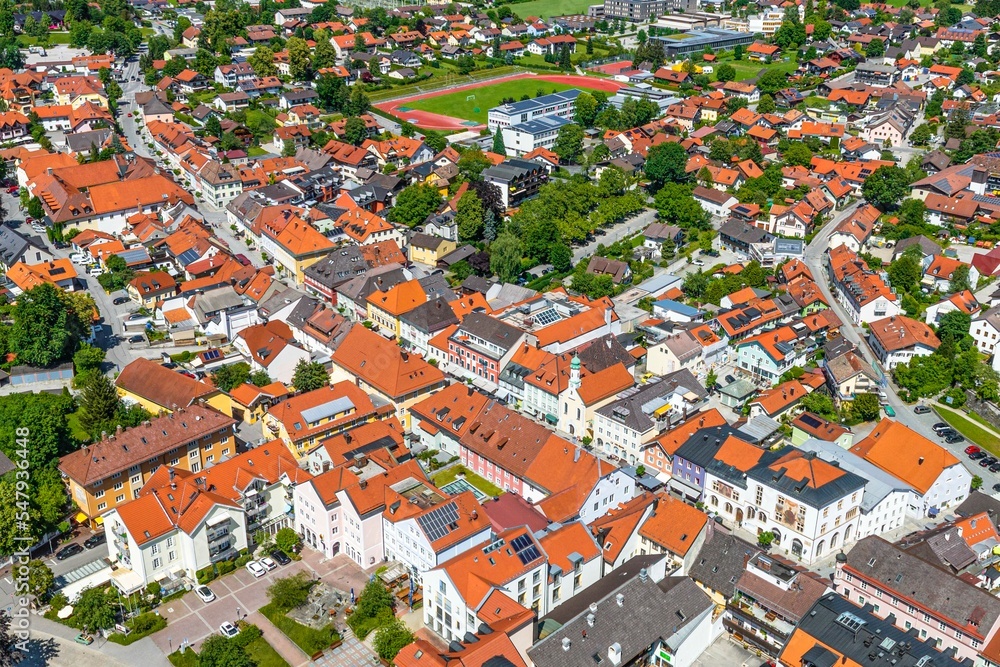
(947, 433)
(996, 487)
(229, 630)
(975, 456)
(939, 426)
(972, 449)
(205, 593)
(987, 462)
(95, 540)
(921, 410)
(268, 563)
(84, 639)
(136, 339)
(68, 551)
(120, 300)
(699, 262)
(280, 556)
(256, 569)
(889, 411)
(953, 439)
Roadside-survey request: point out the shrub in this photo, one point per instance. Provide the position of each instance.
(154, 589)
(243, 560)
(289, 592)
(206, 575)
(227, 566)
(143, 625)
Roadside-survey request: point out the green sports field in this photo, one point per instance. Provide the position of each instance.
(548, 8)
(458, 105)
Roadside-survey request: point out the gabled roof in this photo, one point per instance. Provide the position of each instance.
(382, 364)
(905, 454)
(164, 387)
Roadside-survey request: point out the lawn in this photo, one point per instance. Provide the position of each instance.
(310, 640)
(78, 432)
(186, 659)
(458, 105)
(549, 8)
(264, 655)
(451, 474)
(972, 431)
(748, 70)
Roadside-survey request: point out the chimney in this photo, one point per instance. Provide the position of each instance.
(591, 619)
(920, 461)
(566, 643)
(620, 599)
(643, 575)
(576, 454)
(171, 473)
(474, 515)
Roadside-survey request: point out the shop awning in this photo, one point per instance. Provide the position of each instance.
(99, 521)
(81, 518)
(552, 419)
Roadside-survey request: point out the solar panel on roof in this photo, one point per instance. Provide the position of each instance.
(437, 523)
(850, 621)
(547, 316)
(212, 354)
(525, 549)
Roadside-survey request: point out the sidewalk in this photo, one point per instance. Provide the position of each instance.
(287, 649)
(143, 652)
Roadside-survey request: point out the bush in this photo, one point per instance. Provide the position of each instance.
(143, 625)
(227, 566)
(289, 592)
(249, 633)
(206, 575)
(154, 589)
(242, 560)
(287, 540)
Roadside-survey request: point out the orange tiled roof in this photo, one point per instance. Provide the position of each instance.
(905, 454)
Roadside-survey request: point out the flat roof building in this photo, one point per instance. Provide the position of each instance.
(695, 41)
(557, 104)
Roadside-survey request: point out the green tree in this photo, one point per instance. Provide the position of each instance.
(99, 404)
(765, 539)
(94, 610)
(415, 204)
(771, 81)
(289, 592)
(505, 257)
(299, 58)
(738, 52)
(35, 209)
(886, 187)
(561, 257)
(875, 49)
(262, 61)
(797, 154)
(766, 104)
(905, 272)
(469, 217)
(472, 163)
(977, 481)
(260, 378)
(921, 135)
(213, 126)
(391, 638)
(676, 206)
(666, 163)
(219, 651)
(569, 143)
(40, 580)
(88, 358)
(374, 598)
(585, 110)
(43, 332)
(711, 379)
(954, 326)
(324, 55)
(695, 284)
(355, 131)
(725, 72)
(498, 146)
(819, 403)
(287, 539)
(960, 279)
(866, 407)
(230, 376)
(333, 93)
(309, 375)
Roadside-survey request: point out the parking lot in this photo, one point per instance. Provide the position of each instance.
(190, 621)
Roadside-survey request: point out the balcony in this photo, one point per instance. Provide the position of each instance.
(218, 535)
(760, 621)
(226, 552)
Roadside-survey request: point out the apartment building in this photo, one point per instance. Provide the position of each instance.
(897, 339)
(112, 471)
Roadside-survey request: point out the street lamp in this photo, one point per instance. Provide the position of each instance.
(237, 614)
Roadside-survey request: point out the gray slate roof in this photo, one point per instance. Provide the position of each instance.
(721, 561)
(916, 579)
(649, 612)
(829, 627)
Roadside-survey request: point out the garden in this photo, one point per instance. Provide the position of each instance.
(375, 612)
(305, 611)
(247, 649)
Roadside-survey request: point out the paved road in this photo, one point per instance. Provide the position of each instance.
(815, 259)
(52, 644)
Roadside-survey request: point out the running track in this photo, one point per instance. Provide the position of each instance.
(434, 121)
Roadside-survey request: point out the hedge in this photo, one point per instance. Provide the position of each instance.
(143, 625)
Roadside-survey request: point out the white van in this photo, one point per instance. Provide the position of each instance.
(96, 271)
